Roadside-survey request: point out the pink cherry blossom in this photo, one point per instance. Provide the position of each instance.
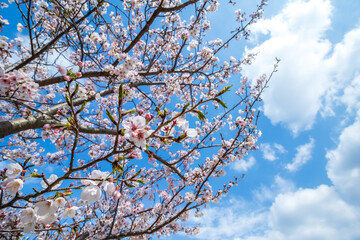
(135, 131)
(61, 69)
(132, 122)
(60, 202)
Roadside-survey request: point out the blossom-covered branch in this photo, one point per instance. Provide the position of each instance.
(117, 117)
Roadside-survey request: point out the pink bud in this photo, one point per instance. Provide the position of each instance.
(47, 126)
(61, 69)
(67, 78)
(80, 63)
(148, 117)
(79, 74)
(140, 111)
(116, 195)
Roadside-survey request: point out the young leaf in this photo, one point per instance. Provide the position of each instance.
(75, 91)
(82, 107)
(224, 90)
(67, 99)
(185, 107)
(221, 102)
(108, 113)
(201, 115)
(121, 92)
(140, 181)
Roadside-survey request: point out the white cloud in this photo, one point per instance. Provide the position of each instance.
(351, 97)
(230, 222)
(345, 60)
(302, 156)
(280, 185)
(296, 36)
(243, 165)
(343, 167)
(313, 214)
(305, 214)
(270, 152)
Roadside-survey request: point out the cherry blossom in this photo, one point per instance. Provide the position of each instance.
(70, 212)
(13, 170)
(50, 180)
(27, 215)
(91, 194)
(45, 207)
(59, 202)
(13, 185)
(136, 131)
(113, 114)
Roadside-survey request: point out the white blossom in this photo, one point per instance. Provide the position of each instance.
(19, 27)
(45, 207)
(13, 170)
(59, 202)
(27, 215)
(70, 212)
(14, 185)
(50, 180)
(109, 188)
(91, 194)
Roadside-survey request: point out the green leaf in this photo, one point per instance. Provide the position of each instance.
(35, 175)
(67, 99)
(140, 181)
(224, 90)
(221, 102)
(108, 113)
(82, 107)
(181, 137)
(185, 107)
(75, 91)
(130, 185)
(67, 192)
(121, 92)
(137, 173)
(201, 115)
(27, 160)
(117, 168)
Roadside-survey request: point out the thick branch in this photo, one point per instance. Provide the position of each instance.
(38, 121)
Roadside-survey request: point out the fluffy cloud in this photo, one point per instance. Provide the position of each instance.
(244, 165)
(231, 222)
(306, 214)
(270, 151)
(280, 185)
(302, 156)
(343, 167)
(313, 75)
(296, 36)
(313, 214)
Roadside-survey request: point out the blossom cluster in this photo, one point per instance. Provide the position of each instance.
(18, 84)
(126, 137)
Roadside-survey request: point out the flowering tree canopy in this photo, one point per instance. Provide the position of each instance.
(113, 114)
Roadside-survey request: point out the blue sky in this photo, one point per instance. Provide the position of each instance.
(303, 183)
